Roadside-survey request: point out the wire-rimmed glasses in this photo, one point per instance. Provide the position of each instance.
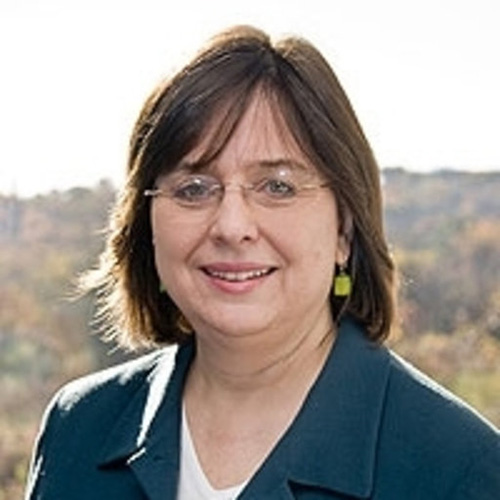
(267, 187)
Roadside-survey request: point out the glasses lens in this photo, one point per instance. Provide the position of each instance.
(277, 186)
(194, 190)
(268, 186)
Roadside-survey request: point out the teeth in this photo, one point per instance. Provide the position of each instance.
(239, 276)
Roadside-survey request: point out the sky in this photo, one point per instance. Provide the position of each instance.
(423, 77)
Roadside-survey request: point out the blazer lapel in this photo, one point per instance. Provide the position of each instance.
(332, 443)
(146, 437)
(330, 446)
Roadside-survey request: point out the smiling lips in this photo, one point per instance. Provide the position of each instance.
(236, 274)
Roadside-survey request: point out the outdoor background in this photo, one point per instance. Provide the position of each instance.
(444, 229)
(424, 80)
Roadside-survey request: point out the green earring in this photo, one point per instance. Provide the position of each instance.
(342, 283)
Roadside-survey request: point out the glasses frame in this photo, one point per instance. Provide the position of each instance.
(221, 189)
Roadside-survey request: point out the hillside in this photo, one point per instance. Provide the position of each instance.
(444, 230)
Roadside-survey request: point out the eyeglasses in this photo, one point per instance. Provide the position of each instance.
(267, 187)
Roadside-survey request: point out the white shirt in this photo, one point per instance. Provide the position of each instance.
(193, 484)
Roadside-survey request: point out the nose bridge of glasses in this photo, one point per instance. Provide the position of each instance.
(233, 216)
(234, 187)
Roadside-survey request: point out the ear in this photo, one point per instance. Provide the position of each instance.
(346, 229)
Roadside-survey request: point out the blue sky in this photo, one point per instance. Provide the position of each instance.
(423, 76)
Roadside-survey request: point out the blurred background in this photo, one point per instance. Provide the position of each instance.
(424, 81)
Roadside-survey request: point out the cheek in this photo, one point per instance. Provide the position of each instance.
(319, 243)
(318, 232)
(323, 257)
(309, 244)
(169, 241)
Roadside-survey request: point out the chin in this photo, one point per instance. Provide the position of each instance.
(234, 323)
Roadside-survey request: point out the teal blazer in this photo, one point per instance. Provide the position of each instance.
(372, 427)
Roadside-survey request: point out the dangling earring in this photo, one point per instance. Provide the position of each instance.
(342, 283)
(183, 325)
(162, 288)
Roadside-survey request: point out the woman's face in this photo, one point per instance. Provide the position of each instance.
(249, 262)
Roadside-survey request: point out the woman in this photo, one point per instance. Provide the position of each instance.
(249, 235)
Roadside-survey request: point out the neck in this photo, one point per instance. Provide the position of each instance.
(261, 363)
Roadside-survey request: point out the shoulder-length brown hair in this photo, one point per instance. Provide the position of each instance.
(218, 84)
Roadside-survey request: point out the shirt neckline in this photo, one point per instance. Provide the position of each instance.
(191, 468)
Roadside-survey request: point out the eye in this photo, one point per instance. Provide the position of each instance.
(277, 188)
(194, 189)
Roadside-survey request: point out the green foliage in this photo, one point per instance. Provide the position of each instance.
(444, 230)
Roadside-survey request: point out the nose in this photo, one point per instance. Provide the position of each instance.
(234, 222)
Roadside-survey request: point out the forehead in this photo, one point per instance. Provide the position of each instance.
(258, 135)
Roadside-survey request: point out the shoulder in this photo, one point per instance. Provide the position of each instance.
(96, 400)
(429, 429)
(82, 414)
(118, 381)
(425, 400)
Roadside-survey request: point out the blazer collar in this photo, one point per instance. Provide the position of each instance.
(331, 444)
(146, 437)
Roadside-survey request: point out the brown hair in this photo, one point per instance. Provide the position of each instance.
(219, 82)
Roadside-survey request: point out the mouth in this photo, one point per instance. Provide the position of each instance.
(238, 276)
